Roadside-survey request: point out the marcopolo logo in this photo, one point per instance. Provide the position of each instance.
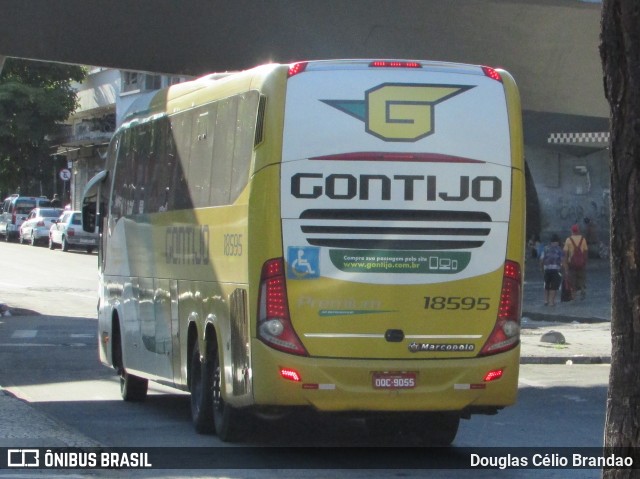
(399, 111)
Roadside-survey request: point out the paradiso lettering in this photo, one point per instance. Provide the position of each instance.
(347, 187)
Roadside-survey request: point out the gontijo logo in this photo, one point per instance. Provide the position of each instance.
(399, 111)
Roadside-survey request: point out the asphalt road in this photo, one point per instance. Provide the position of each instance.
(49, 360)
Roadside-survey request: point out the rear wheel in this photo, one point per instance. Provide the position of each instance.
(231, 425)
(33, 240)
(201, 397)
(65, 244)
(132, 388)
(51, 244)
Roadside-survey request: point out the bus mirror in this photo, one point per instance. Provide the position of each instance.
(89, 216)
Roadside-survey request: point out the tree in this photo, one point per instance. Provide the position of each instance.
(34, 98)
(620, 54)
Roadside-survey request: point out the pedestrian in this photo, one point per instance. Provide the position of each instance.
(551, 264)
(575, 254)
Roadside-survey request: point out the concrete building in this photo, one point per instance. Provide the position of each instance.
(81, 146)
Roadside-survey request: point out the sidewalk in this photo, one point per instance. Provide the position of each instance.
(584, 325)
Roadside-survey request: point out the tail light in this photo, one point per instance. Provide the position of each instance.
(492, 73)
(290, 375)
(274, 323)
(13, 218)
(296, 68)
(71, 232)
(40, 224)
(394, 64)
(506, 333)
(493, 375)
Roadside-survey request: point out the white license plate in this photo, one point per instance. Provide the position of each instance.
(394, 380)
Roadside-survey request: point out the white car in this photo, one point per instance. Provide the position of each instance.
(35, 229)
(68, 233)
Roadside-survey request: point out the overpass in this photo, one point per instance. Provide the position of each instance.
(550, 46)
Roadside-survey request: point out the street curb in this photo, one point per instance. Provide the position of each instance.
(554, 318)
(565, 360)
(28, 426)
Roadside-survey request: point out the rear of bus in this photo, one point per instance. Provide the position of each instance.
(402, 205)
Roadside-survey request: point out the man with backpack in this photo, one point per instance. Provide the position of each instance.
(575, 253)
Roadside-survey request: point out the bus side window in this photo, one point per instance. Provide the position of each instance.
(243, 148)
(179, 144)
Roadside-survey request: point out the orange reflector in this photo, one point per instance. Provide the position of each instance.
(290, 374)
(493, 375)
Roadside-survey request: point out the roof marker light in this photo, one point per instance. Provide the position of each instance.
(394, 64)
(492, 73)
(296, 68)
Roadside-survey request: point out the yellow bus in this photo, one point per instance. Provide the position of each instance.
(340, 235)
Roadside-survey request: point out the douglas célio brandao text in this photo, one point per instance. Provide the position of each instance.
(549, 460)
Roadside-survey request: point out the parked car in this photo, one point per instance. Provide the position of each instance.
(36, 227)
(68, 233)
(15, 210)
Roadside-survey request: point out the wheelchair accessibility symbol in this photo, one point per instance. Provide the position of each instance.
(304, 262)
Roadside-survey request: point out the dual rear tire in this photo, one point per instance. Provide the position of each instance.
(209, 412)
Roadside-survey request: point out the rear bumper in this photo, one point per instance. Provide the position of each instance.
(41, 233)
(81, 241)
(347, 384)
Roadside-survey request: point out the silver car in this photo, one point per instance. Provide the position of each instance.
(68, 233)
(35, 229)
(14, 212)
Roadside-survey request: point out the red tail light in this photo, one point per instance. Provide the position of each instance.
(296, 68)
(40, 224)
(394, 64)
(492, 73)
(274, 323)
(506, 333)
(13, 218)
(290, 374)
(493, 375)
(70, 232)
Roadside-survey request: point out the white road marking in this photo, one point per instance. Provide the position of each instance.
(24, 333)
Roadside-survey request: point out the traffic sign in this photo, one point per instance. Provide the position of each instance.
(65, 175)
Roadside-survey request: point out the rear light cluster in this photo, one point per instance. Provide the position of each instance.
(274, 322)
(70, 232)
(506, 333)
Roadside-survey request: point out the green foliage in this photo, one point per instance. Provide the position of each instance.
(34, 98)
